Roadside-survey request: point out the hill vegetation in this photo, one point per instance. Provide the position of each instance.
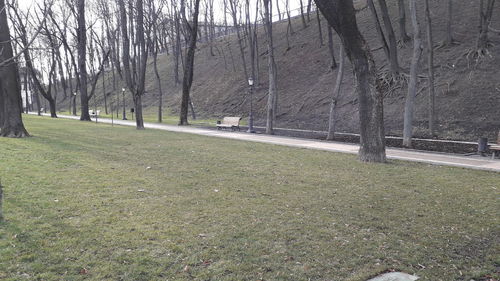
(468, 92)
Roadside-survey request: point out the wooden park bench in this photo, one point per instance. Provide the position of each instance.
(232, 123)
(496, 147)
(94, 113)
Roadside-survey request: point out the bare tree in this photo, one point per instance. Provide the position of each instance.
(134, 69)
(485, 15)
(272, 96)
(389, 44)
(20, 22)
(82, 60)
(302, 16)
(412, 85)
(402, 21)
(11, 122)
(340, 14)
(154, 46)
(332, 122)
(187, 80)
(320, 30)
(289, 29)
(449, 20)
(391, 38)
(333, 65)
(430, 66)
(234, 7)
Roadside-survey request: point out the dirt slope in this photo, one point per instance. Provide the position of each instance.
(468, 97)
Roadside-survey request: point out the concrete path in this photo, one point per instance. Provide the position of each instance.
(479, 163)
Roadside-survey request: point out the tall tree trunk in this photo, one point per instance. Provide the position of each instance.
(378, 27)
(11, 105)
(127, 73)
(320, 31)
(142, 64)
(158, 78)
(331, 49)
(26, 91)
(31, 68)
(38, 102)
(82, 60)
(449, 21)
(391, 37)
(272, 96)
(430, 57)
(191, 107)
(289, 27)
(278, 9)
(412, 85)
(309, 6)
(177, 48)
(485, 15)
(234, 14)
(340, 14)
(187, 80)
(332, 122)
(304, 24)
(402, 21)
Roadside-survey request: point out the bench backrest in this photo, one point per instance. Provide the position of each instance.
(232, 121)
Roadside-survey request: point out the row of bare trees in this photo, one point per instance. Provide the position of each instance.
(65, 46)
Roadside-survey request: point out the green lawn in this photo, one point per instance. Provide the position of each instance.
(91, 202)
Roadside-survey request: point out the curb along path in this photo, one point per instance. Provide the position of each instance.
(444, 159)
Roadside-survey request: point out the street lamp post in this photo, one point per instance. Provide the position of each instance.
(250, 115)
(123, 99)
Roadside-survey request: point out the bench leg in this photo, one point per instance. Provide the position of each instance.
(493, 154)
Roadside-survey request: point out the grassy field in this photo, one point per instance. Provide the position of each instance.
(91, 202)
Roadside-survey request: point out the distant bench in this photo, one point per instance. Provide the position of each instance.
(94, 113)
(496, 147)
(232, 123)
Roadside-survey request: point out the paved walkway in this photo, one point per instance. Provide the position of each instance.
(479, 163)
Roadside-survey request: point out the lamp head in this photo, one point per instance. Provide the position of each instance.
(250, 81)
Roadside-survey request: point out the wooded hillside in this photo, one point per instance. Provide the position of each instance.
(467, 89)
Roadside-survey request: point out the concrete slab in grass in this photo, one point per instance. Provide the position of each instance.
(395, 276)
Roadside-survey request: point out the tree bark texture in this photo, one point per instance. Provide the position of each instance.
(379, 29)
(82, 60)
(485, 14)
(333, 65)
(187, 80)
(332, 122)
(272, 96)
(412, 85)
(402, 21)
(340, 14)
(449, 21)
(11, 107)
(391, 37)
(430, 62)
